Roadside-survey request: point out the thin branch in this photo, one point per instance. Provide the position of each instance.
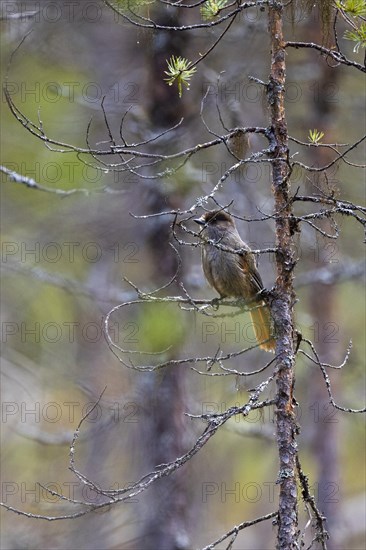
(333, 54)
(321, 534)
(339, 157)
(31, 183)
(322, 367)
(150, 24)
(214, 421)
(117, 350)
(217, 41)
(235, 530)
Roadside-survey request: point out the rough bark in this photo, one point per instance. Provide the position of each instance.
(283, 301)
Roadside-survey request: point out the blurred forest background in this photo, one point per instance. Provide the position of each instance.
(64, 259)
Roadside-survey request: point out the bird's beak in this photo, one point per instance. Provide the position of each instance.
(200, 221)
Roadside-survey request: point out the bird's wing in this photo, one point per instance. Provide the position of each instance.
(247, 264)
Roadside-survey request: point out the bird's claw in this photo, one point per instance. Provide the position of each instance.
(215, 303)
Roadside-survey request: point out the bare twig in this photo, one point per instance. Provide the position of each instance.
(323, 367)
(236, 530)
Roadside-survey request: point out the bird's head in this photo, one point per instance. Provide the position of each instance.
(216, 221)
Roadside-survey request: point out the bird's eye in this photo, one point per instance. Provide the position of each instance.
(219, 218)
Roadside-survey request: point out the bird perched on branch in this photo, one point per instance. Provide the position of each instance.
(234, 274)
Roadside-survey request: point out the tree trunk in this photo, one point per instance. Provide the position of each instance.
(325, 442)
(165, 506)
(282, 306)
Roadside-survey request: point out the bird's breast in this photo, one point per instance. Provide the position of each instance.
(223, 272)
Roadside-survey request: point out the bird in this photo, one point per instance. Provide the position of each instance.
(235, 274)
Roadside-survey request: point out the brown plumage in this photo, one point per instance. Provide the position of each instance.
(233, 274)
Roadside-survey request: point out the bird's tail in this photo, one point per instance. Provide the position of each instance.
(263, 329)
